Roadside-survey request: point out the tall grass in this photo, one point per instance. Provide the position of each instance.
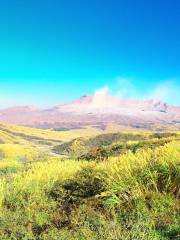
(131, 196)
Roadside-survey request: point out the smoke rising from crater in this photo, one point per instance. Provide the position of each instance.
(124, 88)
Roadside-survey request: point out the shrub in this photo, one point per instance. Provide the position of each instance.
(71, 194)
(87, 183)
(95, 153)
(160, 135)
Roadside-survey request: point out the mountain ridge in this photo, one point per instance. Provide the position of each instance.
(97, 109)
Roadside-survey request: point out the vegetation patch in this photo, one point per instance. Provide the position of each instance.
(115, 189)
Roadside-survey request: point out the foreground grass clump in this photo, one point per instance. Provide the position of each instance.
(130, 196)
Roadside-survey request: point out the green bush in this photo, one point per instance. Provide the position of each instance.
(95, 153)
(160, 135)
(87, 183)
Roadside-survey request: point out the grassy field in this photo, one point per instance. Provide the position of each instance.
(85, 185)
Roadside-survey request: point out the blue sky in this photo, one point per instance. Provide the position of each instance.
(53, 51)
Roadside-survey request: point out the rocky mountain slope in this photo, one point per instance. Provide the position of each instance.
(97, 110)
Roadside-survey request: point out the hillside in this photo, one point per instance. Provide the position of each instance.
(129, 195)
(61, 185)
(112, 144)
(79, 143)
(97, 111)
(21, 134)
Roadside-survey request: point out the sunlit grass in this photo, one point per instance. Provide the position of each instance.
(133, 195)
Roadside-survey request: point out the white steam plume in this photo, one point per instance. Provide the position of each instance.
(123, 88)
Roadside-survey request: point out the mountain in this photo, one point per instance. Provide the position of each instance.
(19, 109)
(97, 110)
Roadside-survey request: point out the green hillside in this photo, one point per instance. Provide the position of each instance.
(112, 144)
(64, 186)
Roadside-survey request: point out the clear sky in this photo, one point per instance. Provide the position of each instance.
(56, 50)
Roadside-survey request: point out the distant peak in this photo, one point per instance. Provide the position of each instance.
(16, 109)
